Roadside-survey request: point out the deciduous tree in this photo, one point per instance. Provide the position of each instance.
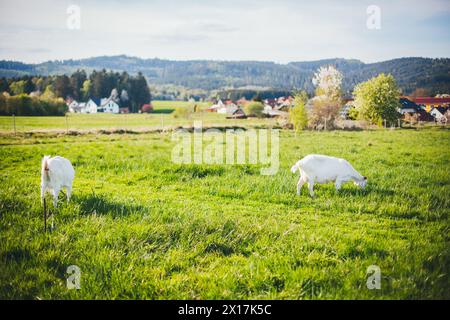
(378, 99)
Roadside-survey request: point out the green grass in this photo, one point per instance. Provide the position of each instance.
(142, 227)
(161, 117)
(160, 105)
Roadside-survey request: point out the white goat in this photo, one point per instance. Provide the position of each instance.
(315, 168)
(57, 172)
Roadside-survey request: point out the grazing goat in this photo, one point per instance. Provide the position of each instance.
(315, 168)
(57, 172)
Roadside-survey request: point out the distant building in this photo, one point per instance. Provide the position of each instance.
(108, 105)
(91, 106)
(432, 102)
(408, 106)
(267, 107)
(284, 103)
(216, 107)
(235, 113)
(83, 107)
(438, 113)
(271, 102)
(73, 106)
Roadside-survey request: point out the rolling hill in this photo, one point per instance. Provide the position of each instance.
(411, 73)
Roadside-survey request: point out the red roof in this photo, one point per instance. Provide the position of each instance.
(431, 100)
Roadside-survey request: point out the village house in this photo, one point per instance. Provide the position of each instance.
(93, 105)
(439, 114)
(408, 106)
(235, 112)
(432, 102)
(409, 109)
(83, 107)
(108, 105)
(216, 107)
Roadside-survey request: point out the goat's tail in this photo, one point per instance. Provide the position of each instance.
(295, 167)
(45, 164)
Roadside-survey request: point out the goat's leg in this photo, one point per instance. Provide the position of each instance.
(55, 205)
(311, 188)
(55, 197)
(69, 192)
(338, 184)
(300, 184)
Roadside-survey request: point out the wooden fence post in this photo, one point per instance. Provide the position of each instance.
(14, 124)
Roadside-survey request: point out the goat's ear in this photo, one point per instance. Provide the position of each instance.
(365, 178)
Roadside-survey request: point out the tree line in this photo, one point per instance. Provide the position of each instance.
(432, 75)
(376, 100)
(27, 92)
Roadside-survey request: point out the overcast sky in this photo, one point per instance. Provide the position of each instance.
(280, 31)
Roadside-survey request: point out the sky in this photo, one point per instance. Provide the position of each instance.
(264, 30)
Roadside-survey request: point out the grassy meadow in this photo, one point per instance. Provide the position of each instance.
(142, 227)
(162, 117)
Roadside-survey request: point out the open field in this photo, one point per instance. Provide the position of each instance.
(168, 106)
(160, 118)
(142, 227)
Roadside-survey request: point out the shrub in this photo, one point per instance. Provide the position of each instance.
(353, 113)
(147, 108)
(254, 109)
(24, 105)
(182, 112)
(298, 115)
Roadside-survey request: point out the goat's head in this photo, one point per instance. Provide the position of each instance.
(361, 182)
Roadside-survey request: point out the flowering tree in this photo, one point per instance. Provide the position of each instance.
(327, 103)
(328, 82)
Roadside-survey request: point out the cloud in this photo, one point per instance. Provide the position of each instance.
(281, 31)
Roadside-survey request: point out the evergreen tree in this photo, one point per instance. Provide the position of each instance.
(139, 92)
(77, 80)
(62, 87)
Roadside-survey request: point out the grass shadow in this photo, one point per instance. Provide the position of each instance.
(164, 111)
(355, 191)
(93, 204)
(16, 255)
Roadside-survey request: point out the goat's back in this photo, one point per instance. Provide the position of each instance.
(325, 167)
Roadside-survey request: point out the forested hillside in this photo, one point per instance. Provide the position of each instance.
(433, 75)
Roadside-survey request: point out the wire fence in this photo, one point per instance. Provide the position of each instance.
(163, 122)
